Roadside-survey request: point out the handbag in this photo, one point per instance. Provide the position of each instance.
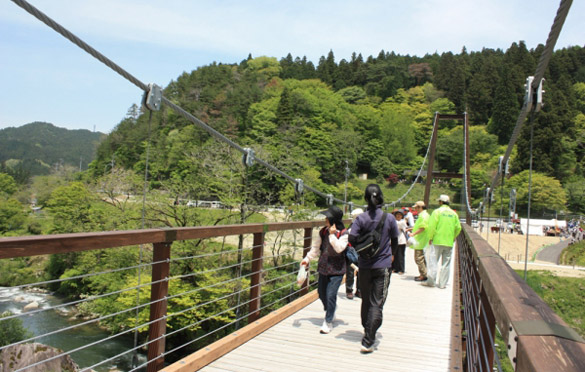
(368, 244)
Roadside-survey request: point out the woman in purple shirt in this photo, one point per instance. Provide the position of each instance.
(374, 272)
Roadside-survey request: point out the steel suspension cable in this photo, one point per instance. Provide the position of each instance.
(419, 171)
(108, 62)
(545, 57)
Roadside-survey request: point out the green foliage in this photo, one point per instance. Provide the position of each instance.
(36, 147)
(7, 184)
(565, 296)
(574, 254)
(547, 192)
(12, 215)
(11, 330)
(71, 208)
(575, 188)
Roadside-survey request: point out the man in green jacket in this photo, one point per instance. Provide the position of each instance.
(444, 227)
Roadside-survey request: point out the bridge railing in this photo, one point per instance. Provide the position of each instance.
(260, 277)
(492, 294)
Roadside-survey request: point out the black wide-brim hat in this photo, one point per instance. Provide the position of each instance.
(333, 214)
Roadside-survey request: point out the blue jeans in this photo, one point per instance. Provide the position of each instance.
(328, 287)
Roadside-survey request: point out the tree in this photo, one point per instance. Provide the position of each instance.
(70, 207)
(547, 192)
(12, 330)
(12, 216)
(506, 109)
(7, 184)
(575, 189)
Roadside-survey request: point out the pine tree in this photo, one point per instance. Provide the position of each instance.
(506, 109)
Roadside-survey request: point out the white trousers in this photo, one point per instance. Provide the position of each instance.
(444, 253)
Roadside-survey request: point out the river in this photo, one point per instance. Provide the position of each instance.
(50, 320)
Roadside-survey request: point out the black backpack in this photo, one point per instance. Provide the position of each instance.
(368, 244)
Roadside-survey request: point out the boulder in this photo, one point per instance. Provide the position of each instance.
(19, 356)
(32, 306)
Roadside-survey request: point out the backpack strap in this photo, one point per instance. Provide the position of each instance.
(381, 223)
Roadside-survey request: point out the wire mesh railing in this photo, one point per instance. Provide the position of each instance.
(200, 289)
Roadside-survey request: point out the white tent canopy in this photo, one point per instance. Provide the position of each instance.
(536, 226)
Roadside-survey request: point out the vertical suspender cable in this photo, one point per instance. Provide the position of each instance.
(144, 190)
(503, 176)
(529, 197)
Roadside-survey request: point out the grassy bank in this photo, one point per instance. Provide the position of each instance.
(574, 254)
(566, 296)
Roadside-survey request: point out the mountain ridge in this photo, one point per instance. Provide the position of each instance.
(38, 146)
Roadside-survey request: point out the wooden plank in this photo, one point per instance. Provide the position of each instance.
(228, 343)
(415, 335)
(25, 246)
(570, 360)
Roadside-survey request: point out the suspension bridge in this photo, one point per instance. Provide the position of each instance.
(263, 321)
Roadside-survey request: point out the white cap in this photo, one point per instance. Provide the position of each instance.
(444, 198)
(356, 212)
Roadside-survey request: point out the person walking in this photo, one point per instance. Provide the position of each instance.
(398, 262)
(444, 227)
(374, 272)
(420, 234)
(329, 246)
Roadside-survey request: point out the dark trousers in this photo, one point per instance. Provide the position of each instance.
(374, 285)
(398, 264)
(327, 288)
(349, 278)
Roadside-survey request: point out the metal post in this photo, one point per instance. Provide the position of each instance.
(158, 309)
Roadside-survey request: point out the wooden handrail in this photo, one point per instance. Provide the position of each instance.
(26, 246)
(162, 240)
(513, 303)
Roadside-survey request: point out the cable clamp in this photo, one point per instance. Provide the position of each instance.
(529, 94)
(299, 185)
(539, 92)
(329, 199)
(153, 98)
(248, 157)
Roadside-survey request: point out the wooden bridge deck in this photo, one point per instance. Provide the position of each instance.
(415, 335)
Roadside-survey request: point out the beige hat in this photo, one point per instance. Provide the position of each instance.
(419, 203)
(444, 198)
(356, 212)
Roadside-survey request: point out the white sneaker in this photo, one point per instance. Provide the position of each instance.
(326, 327)
(367, 350)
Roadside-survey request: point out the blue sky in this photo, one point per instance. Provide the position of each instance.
(46, 78)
